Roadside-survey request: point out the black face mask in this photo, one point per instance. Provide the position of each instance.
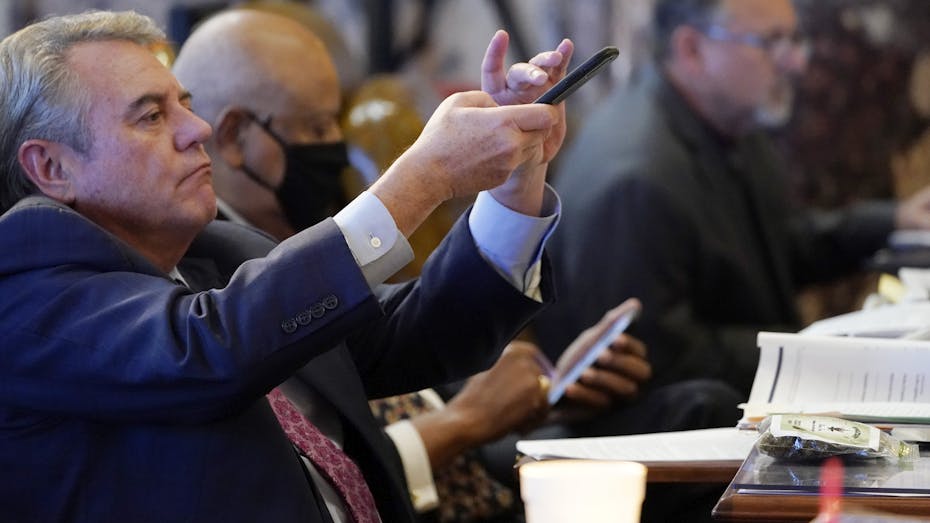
(312, 188)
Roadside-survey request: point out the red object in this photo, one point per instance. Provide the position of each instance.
(329, 459)
(831, 490)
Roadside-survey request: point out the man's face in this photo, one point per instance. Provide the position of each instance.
(304, 111)
(751, 56)
(146, 174)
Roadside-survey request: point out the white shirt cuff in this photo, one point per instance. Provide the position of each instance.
(512, 242)
(423, 493)
(371, 234)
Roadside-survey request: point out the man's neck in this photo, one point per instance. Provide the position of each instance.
(269, 220)
(163, 249)
(164, 256)
(727, 128)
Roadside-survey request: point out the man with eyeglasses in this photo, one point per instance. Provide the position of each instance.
(673, 193)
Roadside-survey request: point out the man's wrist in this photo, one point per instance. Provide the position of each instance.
(410, 190)
(447, 433)
(524, 191)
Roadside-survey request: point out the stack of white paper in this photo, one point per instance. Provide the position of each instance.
(869, 379)
(721, 444)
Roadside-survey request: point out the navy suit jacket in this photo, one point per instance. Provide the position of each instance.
(125, 397)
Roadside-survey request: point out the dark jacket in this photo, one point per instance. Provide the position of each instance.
(658, 206)
(126, 397)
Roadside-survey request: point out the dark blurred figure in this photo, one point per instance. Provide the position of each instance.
(672, 193)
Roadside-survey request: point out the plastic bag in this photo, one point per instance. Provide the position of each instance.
(799, 437)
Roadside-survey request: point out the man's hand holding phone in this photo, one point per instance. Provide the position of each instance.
(603, 365)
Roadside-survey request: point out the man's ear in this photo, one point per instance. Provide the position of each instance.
(685, 47)
(229, 136)
(42, 162)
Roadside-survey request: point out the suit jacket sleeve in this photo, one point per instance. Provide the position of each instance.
(95, 331)
(450, 323)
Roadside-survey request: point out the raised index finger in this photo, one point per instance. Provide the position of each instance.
(492, 66)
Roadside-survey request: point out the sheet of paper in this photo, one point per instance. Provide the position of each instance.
(885, 321)
(794, 368)
(726, 443)
(868, 412)
(872, 379)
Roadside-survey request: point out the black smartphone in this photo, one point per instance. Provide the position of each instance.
(579, 76)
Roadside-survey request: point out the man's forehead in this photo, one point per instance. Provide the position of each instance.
(303, 117)
(121, 69)
(308, 98)
(759, 15)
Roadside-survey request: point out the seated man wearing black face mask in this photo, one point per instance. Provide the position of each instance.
(310, 188)
(276, 184)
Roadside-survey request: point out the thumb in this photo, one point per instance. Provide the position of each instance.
(472, 99)
(532, 117)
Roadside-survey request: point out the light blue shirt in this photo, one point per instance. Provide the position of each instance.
(511, 242)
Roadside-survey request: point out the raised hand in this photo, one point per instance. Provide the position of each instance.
(469, 144)
(524, 82)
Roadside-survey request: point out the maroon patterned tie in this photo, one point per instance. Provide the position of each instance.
(329, 459)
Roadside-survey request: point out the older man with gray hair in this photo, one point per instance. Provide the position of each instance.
(140, 339)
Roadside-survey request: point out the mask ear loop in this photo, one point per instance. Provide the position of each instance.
(266, 126)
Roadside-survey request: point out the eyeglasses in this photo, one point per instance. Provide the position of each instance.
(777, 45)
(266, 125)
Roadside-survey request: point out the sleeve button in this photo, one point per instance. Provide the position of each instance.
(331, 302)
(289, 325)
(317, 310)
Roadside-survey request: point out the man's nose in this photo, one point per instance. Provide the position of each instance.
(193, 130)
(795, 60)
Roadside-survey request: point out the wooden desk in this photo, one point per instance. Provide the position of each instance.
(743, 508)
(765, 490)
(691, 471)
(676, 471)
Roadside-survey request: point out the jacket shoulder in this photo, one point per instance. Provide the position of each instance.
(39, 232)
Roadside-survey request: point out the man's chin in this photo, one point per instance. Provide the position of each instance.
(773, 116)
(777, 112)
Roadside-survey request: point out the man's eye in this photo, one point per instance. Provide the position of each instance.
(152, 117)
(325, 130)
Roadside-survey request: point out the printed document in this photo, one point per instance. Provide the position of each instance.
(868, 379)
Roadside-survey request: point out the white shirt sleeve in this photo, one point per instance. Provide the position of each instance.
(377, 245)
(417, 469)
(495, 227)
(423, 493)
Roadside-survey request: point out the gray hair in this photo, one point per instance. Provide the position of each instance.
(41, 97)
(672, 14)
